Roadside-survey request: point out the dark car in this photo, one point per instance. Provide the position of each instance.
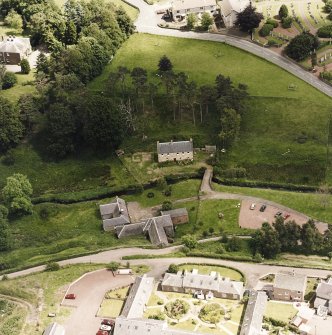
(278, 214)
(102, 332)
(263, 208)
(108, 322)
(70, 296)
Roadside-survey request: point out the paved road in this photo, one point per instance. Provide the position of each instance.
(147, 23)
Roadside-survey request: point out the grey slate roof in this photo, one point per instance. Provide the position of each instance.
(203, 282)
(324, 291)
(54, 329)
(132, 229)
(138, 297)
(253, 317)
(175, 212)
(174, 147)
(290, 281)
(114, 214)
(20, 45)
(156, 229)
(140, 326)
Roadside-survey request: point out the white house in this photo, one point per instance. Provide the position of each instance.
(175, 151)
(230, 9)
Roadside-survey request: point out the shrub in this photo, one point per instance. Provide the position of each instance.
(224, 238)
(150, 195)
(157, 316)
(5, 277)
(211, 313)
(233, 244)
(9, 80)
(274, 23)
(173, 268)
(52, 266)
(25, 66)
(189, 241)
(3, 212)
(325, 31)
(258, 258)
(176, 309)
(265, 30)
(234, 173)
(166, 206)
(168, 191)
(283, 12)
(286, 22)
(211, 230)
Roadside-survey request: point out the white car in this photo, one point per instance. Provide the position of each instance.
(105, 327)
(252, 207)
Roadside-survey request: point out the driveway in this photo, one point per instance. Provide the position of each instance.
(90, 291)
(147, 22)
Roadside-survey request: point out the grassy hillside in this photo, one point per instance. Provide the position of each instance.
(277, 120)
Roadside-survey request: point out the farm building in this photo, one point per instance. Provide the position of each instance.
(191, 282)
(175, 151)
(114, 214)
(178, 216)
(14, 49)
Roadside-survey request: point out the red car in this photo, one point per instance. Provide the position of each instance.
(102, 332)
(108, 322)
(286, 216)
(70, 296)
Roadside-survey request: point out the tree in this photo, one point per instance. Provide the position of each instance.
(124, 21)
(249, 19)
(286, 22)
(42, 64)
(5, 236)
(301, 46)
(9, 80)
(230, 125)
(14, 20)
(17, 194)
(3, 212)
(71, 33)
(173, 268)
(311, 238)
(189, 241)
(11, 129)
(166, 206)
(25, 66)
(283, 12)
(233, 244)
(28, 106)
(191, 21)
(61, 129)
(266, 242)
(165, 64)
(313, 59)
(113, 266)
(206, 21)
(52, 266)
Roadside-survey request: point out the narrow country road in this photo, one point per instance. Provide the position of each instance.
(147, 23)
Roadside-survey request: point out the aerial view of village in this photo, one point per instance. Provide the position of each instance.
(166, 167)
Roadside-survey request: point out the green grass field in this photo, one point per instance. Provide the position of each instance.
(276, 118)
(280, 311)
(308, 203)
(12, 316)
(69, 230)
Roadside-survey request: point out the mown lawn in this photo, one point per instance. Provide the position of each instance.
(206, 269)
(280, 311)
(307, 203)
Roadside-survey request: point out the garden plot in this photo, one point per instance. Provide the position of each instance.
(182, 311)
(113, 302)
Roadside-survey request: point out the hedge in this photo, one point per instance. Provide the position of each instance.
(274, 23)
(223, 256)
(264, 184)
(325, 31)
(286, 22)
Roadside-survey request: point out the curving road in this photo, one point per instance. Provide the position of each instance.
(147, 23)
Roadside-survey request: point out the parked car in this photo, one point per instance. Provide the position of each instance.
(263, 208)
(286, 216)
(106, 328)
(108, 322)
(70, 296)
(102, 332)
(252, 207)
(51, 315)
(278, 214)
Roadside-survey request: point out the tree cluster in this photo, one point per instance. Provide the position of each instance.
(288, 236)
(249, 19)
(301, 46)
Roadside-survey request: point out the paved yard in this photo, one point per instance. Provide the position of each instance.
(253, 219)
(137, 213)
(319, 326)
(90, 291)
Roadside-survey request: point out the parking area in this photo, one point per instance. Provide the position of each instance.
(320, 326)
(254, 218)
(89, 292)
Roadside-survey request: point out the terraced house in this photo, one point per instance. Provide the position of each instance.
(175, 151)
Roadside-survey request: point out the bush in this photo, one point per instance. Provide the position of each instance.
(234, 173)
(25, 66)
(173, 268)
(157, 316)
(189, 241)
(274, 23)
(176, 309)
(286, 22)
(211, 313)
(168, 191)
(166, 206)
(3, 212)
(52, 266)
(9, 80)
(325, 31)
(265, 30)
(150, 195)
